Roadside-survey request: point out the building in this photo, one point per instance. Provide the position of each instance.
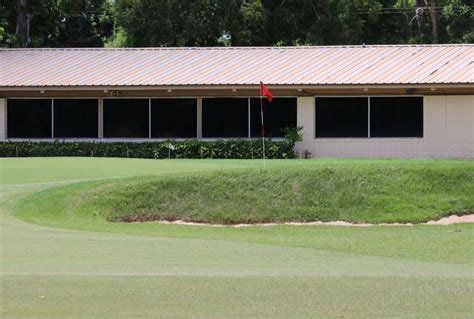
(390, 101)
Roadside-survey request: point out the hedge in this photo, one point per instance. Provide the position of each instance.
(238, 148)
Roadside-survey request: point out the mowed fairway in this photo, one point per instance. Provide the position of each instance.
(84, 267)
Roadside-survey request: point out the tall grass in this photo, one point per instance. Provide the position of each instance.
(389, 192)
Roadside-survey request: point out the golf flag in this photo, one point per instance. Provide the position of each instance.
(264, 91)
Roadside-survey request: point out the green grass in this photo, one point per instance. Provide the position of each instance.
(235, 297)
(359, 193)
(67, 169)
(60, 259)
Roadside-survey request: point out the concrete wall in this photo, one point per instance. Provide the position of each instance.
(448, 133)
(3, 119)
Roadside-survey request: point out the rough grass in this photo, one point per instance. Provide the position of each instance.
(390, 192)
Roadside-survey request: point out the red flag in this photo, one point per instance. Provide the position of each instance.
(264, 91)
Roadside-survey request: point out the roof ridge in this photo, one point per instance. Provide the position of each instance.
(242, 47)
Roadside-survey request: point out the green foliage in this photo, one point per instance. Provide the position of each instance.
(63, 23)
(169, 23)
(458, 16)
(118, 40)
(7, 24)
(293, 135)
(182, 149)
(135, 23)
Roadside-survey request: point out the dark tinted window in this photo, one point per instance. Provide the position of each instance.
(396, 117)
(126, 118)
(342, 117)
(278, 114)
(173, 118)
(75, 117)
(29, 118)
(225, 117)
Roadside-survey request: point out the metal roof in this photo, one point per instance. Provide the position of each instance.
(302, 65)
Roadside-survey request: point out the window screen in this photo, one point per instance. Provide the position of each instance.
(29, 118)
(342, 117)
(396, 117)
(75, 117)
(278, 114)
(126, 118)
(173, 118)
(225, 117)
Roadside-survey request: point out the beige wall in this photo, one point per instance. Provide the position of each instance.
(3, 119)
(448, 132)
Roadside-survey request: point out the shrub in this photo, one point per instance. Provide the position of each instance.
(238, 148)
(293, 135)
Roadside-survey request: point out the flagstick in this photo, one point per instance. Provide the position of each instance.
(263, 129)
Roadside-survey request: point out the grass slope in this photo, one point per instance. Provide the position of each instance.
(81, 206)
(49, 269)
(390, 192)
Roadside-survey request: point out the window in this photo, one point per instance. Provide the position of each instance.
(389, 117)
(278, 114)
(29, 118)
(126, 118)
(396, 117)
(342, 117)
(173, 118)
(75, 117)
(225, 117)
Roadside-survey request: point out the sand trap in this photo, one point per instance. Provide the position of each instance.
(453, 219)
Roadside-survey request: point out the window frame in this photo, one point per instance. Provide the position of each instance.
(368, 120)
(249, 133)
(226, 97)
(265, 108)
(29, 138)
(129, 138)
(343, 96)
(198, 103)
(76, 98)
(101, 119)
(401, 137)
(52, 137)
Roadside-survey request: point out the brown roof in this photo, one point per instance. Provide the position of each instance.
(303, 65)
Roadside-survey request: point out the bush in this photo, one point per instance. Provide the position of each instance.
(239, 148)
(293, 135)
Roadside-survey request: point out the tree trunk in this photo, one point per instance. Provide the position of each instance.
(420, 18)
(434, 22)
(23, 24)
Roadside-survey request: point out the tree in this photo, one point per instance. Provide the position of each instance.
(449, 21)
(6, 14)
(85, 23)
(95, 23)
(64, 23)
(23, 20)
(457, 17)
(180, 22)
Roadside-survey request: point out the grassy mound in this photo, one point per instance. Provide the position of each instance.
(360, 192)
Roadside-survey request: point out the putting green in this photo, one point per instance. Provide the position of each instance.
(88, 269)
